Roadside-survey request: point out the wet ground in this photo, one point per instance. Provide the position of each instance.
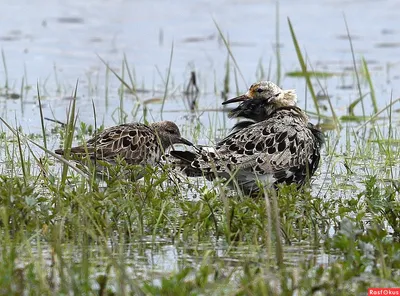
(55, 44)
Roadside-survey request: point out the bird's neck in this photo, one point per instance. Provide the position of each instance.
(291, 111)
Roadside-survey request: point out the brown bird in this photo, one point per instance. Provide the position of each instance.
(132, 143)
(277, 146)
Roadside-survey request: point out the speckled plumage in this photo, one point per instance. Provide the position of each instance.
(278, 144)
(134, 143)
(259, 102)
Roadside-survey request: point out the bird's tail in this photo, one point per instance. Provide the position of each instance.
(182, 160)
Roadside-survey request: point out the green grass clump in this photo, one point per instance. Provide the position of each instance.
(63, 231)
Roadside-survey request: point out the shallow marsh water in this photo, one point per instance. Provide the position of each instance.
(55, 44)
(62, 43)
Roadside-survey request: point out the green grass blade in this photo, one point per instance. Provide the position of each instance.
(229, 51)
(227, 77)
(60, 159)
(378, 113)
(21, 155)
(41, 116)
(121, 115)
(277, 47)
(167, 80)
(69, 135)
(354, 104)
(131, 89)
(277, 227)
(130, 75)
(26, 139)
(315, 74)
(5, 69)
(21, 89)
(334, 116)
(93, 176)
(371, 86)
(106, 87)
(360, 94)
(304, 67)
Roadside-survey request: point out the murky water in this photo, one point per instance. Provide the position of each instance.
(55, 43)
(147, 259)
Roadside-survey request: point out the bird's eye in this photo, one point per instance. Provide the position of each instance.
(259, 90)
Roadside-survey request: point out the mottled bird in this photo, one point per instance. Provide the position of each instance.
(277, 146)
(262, 99)
(259, 102)
(132, 143)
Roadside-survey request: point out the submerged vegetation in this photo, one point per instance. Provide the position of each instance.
(63, 232)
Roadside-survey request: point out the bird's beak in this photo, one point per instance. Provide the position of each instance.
(237, 99)
(184, 141)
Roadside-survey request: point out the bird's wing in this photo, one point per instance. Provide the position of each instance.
(267, 147)
(131, 142)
